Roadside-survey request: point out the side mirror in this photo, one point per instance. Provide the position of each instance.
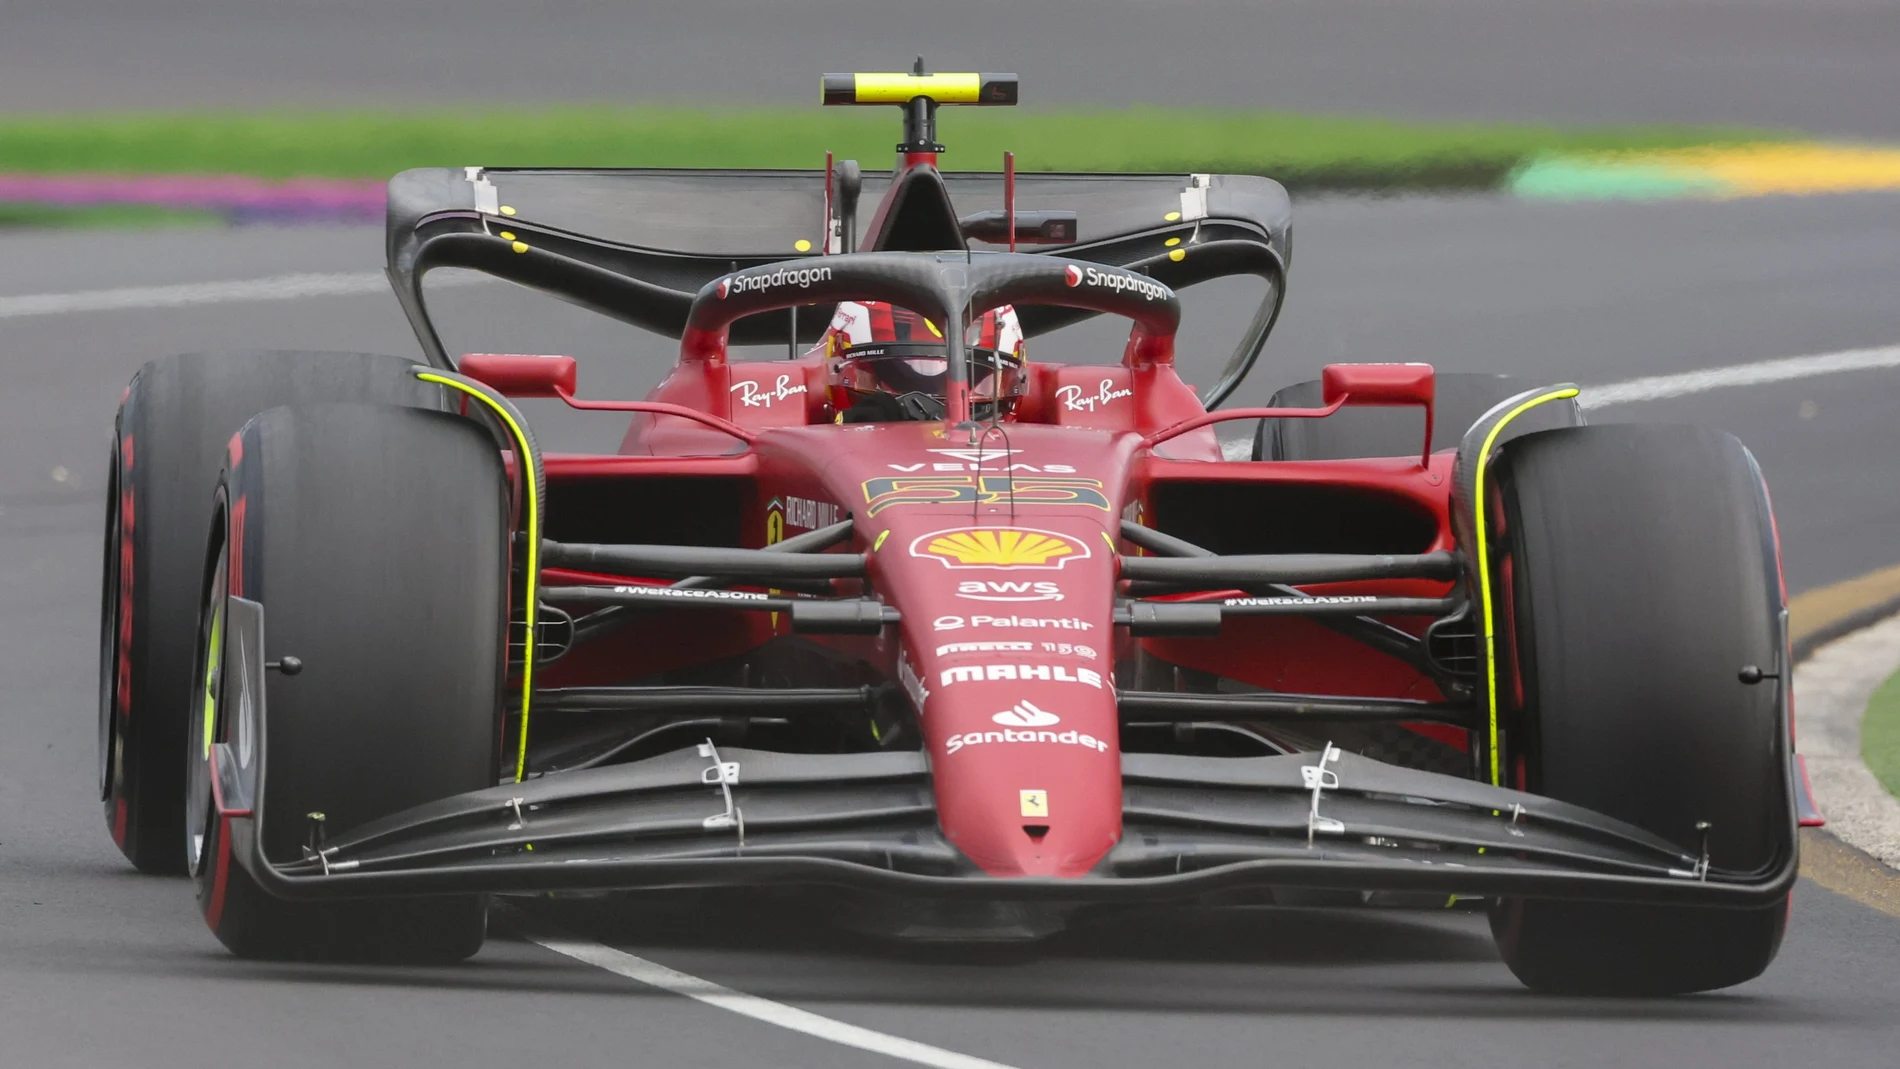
(1378, 384)
(1383, 384)
(522, 375)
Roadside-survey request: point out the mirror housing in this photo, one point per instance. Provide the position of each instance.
(1383, 384)
(522, 374)
(1378, 384)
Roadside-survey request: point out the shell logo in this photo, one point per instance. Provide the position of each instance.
(1000, 547)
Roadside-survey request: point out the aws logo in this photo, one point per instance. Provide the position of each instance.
(999, 547)
(992, 590)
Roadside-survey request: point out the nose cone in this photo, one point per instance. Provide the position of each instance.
(1032, 788)
(1008, 634)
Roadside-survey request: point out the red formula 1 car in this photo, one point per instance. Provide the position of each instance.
(967, 643)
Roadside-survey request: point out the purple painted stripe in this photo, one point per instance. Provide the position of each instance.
(239, 196)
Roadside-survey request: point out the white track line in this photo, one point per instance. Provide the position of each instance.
(759, 1009)
(1657, 387)
(275, 288)
(279, 288)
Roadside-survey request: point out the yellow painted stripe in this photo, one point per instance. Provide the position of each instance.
(1818, 610)
(524, 457)
(1484, 563)
(900, 88)
(1759, 170)
(1846, 871)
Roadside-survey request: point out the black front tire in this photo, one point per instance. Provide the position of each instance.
(177, 416)
(1638, 575)
(376, 538)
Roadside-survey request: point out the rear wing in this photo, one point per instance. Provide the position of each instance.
(637, 244)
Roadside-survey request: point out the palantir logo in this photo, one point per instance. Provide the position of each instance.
(1026, 715)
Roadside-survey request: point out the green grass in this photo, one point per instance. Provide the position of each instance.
(113, 216)
(1300, 150)
(1880, 735)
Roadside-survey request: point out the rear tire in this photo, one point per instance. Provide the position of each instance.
(1358, 433)
(173, 424)
(376, 538)
(1639, 571)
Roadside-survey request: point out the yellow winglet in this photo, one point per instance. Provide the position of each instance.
(990, 90)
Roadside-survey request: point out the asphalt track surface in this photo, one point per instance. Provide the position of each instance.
(1823, 66)
(102, 967)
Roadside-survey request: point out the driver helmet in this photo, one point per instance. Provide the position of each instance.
(879, 353)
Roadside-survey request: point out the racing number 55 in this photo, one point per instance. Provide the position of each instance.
(880, 494)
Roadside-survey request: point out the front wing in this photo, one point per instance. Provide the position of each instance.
(1192, 826)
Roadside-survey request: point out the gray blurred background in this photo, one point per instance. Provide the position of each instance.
(1821, 66)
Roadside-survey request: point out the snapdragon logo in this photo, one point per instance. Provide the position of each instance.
(1119, 281)
(802, 277)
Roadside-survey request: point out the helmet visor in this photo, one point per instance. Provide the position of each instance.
(900, 368)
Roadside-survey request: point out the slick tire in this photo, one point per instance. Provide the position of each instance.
(173, 423)
(1638, 575)
(376, 539)
(1357, 433)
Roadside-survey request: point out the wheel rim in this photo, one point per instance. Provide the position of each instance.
(109, 618)
(204, 722)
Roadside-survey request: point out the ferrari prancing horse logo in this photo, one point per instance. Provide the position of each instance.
(1034, 803)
